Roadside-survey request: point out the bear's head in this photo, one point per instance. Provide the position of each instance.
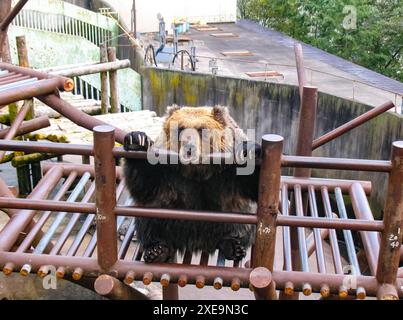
(194, 133)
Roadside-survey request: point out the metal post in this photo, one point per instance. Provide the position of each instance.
(305, 137)
(105, 196)
(268, 202)
(104, 80)
(113, 82)
(114, 289)
(391, 239)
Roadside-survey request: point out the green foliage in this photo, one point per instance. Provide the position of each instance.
(376, 41)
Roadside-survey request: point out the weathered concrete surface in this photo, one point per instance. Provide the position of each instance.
(273, 51)
(274, 108)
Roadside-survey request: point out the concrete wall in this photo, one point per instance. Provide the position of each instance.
(274, 108)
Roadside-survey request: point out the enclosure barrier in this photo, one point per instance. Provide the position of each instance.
(263, 281)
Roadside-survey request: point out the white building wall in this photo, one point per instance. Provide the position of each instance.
(204, 11)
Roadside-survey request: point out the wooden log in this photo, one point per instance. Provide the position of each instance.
(104, 81)
(113, 81)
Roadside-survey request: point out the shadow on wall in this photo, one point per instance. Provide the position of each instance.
(274, 108)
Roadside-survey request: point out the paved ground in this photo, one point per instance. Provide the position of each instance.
(273, 51)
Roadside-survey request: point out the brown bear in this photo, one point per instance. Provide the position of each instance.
(193, 133)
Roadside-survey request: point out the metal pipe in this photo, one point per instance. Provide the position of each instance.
(86, 225)
(332, 233)
(12, 14)
(33, 233)
(13, 78)
(122, 267)
(15, 125)
(78, 117)
(28, 127)
(32, 90)
(18, 84)
(336, 163)
(89, 208)
(363, 211)
(301, 231)
(352, 124)
(65, 84)
(61, 215)
(105, 196)
(104, 80)
(286, 230)
(320, 256)
(11, 231)
(113, 289)
(267, 210)
(392, 236)
(348, 237)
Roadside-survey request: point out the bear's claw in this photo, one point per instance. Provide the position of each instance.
(158, 252)
(137, 141)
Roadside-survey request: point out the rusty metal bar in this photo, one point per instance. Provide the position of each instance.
(267, 210)
(28, 91)
(292, 221)
(28, 126)
(5, 9)
(310, 241)
(299, 60)
(332, 233)
(18, 78)
(85, 227)
(78, 117)
(352, 124)
(113, 289)
(392, 236)
(11, 231)
(72, 222)
(363, 211)
(301, 231)
(91, 268)
(12, 14)
(320, 256)
(336, 163)
(286, 230)
(33, 233)
(74, 167)
(14, 126)
(105, 196)
(64, 83)
(348, 237)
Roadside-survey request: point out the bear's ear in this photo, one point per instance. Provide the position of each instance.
(220, 114)
(171, 110)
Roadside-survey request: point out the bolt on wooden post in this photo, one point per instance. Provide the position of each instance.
(391, 239)
(104, 80)
(113, 82)
(105, 196)
(268, 202)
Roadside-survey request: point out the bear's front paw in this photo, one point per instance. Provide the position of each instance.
(232, 249)
(247, 150)
(137, 141)
(158, 252)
